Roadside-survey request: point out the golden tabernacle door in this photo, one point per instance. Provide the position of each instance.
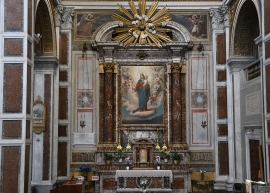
(143, 153)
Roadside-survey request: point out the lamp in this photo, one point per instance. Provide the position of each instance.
(164, 147)
(128, 145)
(157, 146)
(119, 147)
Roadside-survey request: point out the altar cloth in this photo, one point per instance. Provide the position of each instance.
(143, 173)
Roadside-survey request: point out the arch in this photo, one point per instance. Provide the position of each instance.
(239, 25)
(103, 33)
(44, 25)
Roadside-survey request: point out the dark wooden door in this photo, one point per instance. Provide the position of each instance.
(254, 159)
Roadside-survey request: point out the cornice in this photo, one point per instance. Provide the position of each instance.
(46, 63)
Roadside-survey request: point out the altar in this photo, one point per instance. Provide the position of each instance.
(144, 180)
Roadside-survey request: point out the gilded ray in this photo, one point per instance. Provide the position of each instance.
(141, 28)
(132, 7)
(123, 10)
(119, 17)
(159, 13)
(153, 7)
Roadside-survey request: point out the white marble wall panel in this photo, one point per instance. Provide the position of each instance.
(85, 68)
(199, 134)
(87, 117)
(198, 73)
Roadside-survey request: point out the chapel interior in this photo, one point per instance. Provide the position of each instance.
(134, 96)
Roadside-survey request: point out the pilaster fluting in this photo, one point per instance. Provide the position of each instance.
(176, 102)
(108, 102)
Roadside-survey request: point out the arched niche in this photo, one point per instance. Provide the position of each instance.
(245, 29)
(44, 25)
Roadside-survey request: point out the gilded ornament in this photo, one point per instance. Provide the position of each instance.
(176, 67)
(143, 27)
(108, 66)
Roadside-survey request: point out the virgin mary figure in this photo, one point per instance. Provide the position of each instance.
(143, 90)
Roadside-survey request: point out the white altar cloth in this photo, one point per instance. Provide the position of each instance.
(143, 173)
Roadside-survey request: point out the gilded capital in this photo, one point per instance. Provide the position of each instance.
(108, 67)
(176, 67)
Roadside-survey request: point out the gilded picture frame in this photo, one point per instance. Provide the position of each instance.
(142, 94)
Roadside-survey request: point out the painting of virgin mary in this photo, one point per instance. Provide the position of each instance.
(142, 94)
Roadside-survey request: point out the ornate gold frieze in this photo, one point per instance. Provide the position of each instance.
(108, 66)
(178, 67)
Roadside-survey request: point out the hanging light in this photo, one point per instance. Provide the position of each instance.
(200, 48)
(82, 121)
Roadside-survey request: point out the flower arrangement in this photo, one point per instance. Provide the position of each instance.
(177, 156)
(157, 161)
(127, 160)
(202, 174)
(119, 154)
(164, 154)
(109, 156)
(84, 170)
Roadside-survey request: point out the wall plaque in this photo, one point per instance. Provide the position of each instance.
(253, 104)
(84, 138)
(39, 116)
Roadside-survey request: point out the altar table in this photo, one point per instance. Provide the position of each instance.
(146, 180)
(74, 186)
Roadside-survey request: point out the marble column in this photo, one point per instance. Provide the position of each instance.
(108, 102)
(176, 102)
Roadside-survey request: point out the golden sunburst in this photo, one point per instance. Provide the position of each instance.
(143, 27)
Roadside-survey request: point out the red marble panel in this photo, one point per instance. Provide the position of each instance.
(183, 108)
(109, 111)
(30, 17)
(27, 135)
(13, 47)
(109, 184)
(221, 49)
(222, 102)
(62, 159)
(12, 88)
(266, 16)
(268, 129)
(28, 91)
(176, 108)
(14, 15)
(156, 183)
(223, 158)
(267, 82)
(62, 131)
(267, 49)
(131, 183)
(29, 50)
(63, 107)
(12, 129)
(63, 76)
(46, 138)
(10, 169)
(221, 75)
(27, 168)
(63, 49)
(101, 107)
(222, 130)
(178, 183)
